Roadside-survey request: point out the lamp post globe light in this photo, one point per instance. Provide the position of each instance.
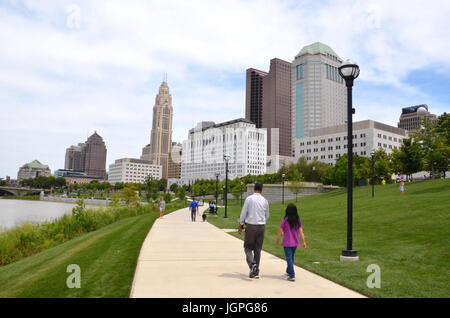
(226, 158)
(349, 70)
(282, 197)
(372, 154)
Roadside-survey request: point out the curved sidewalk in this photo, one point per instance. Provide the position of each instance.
(182, 259)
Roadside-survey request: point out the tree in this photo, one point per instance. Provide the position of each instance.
(236, 191)
(443, 127)
(433, 138)
(152, 187)
(408, 158)
(328, 176)
(295, 184)
(129, 194)
(337, 174)
(174, 187)
(318, 169)
(167, 197)
(383, 166)
(181, 194)
(162, 184)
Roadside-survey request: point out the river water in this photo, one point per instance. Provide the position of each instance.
(16, 212)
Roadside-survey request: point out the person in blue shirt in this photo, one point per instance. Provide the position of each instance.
(193, 207)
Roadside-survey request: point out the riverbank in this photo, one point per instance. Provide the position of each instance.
(106, 257)
(28, 239)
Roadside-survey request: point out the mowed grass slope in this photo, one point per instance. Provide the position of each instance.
(407, 236)
(107, 258)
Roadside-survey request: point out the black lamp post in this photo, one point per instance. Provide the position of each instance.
(217, 183)
(373, 173)
(282, 197)
(226, 158)
(349, 70)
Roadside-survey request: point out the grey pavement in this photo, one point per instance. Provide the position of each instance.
(184, 259)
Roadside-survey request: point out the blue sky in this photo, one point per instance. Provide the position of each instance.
(71, 67)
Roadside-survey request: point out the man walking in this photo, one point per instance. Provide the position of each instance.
(255, 213)
(193, 208)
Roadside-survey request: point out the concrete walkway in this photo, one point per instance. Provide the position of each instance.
(180, 258)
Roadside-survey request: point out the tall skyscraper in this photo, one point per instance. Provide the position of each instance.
(88, 157)
(74, 160)
(411, 117)
(94, 156)
(254, 96)
(318, 92)
(268, 104)
(158, 150)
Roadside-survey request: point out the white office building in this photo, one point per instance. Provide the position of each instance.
(207, 143)
(330, 143)
(133, 170)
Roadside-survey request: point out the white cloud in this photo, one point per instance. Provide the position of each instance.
(57, 83)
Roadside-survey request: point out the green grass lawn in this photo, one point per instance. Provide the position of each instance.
(107, 258)
(408, 237)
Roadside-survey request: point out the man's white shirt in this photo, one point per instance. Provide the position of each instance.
(255, 210)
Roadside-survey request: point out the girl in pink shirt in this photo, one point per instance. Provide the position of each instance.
(290, 228)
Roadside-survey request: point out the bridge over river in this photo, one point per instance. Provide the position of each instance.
(9, 190)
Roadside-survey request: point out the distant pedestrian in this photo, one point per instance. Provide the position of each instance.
(402, 187)
(254, 214)
(193, 207)
(290, 228)
(162, 207)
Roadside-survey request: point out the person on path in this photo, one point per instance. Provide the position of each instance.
(193, 207)
(162, 207)
(290, 228)
(402, 187)
(254, 214)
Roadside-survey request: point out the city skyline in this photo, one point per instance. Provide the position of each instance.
(76, 69)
